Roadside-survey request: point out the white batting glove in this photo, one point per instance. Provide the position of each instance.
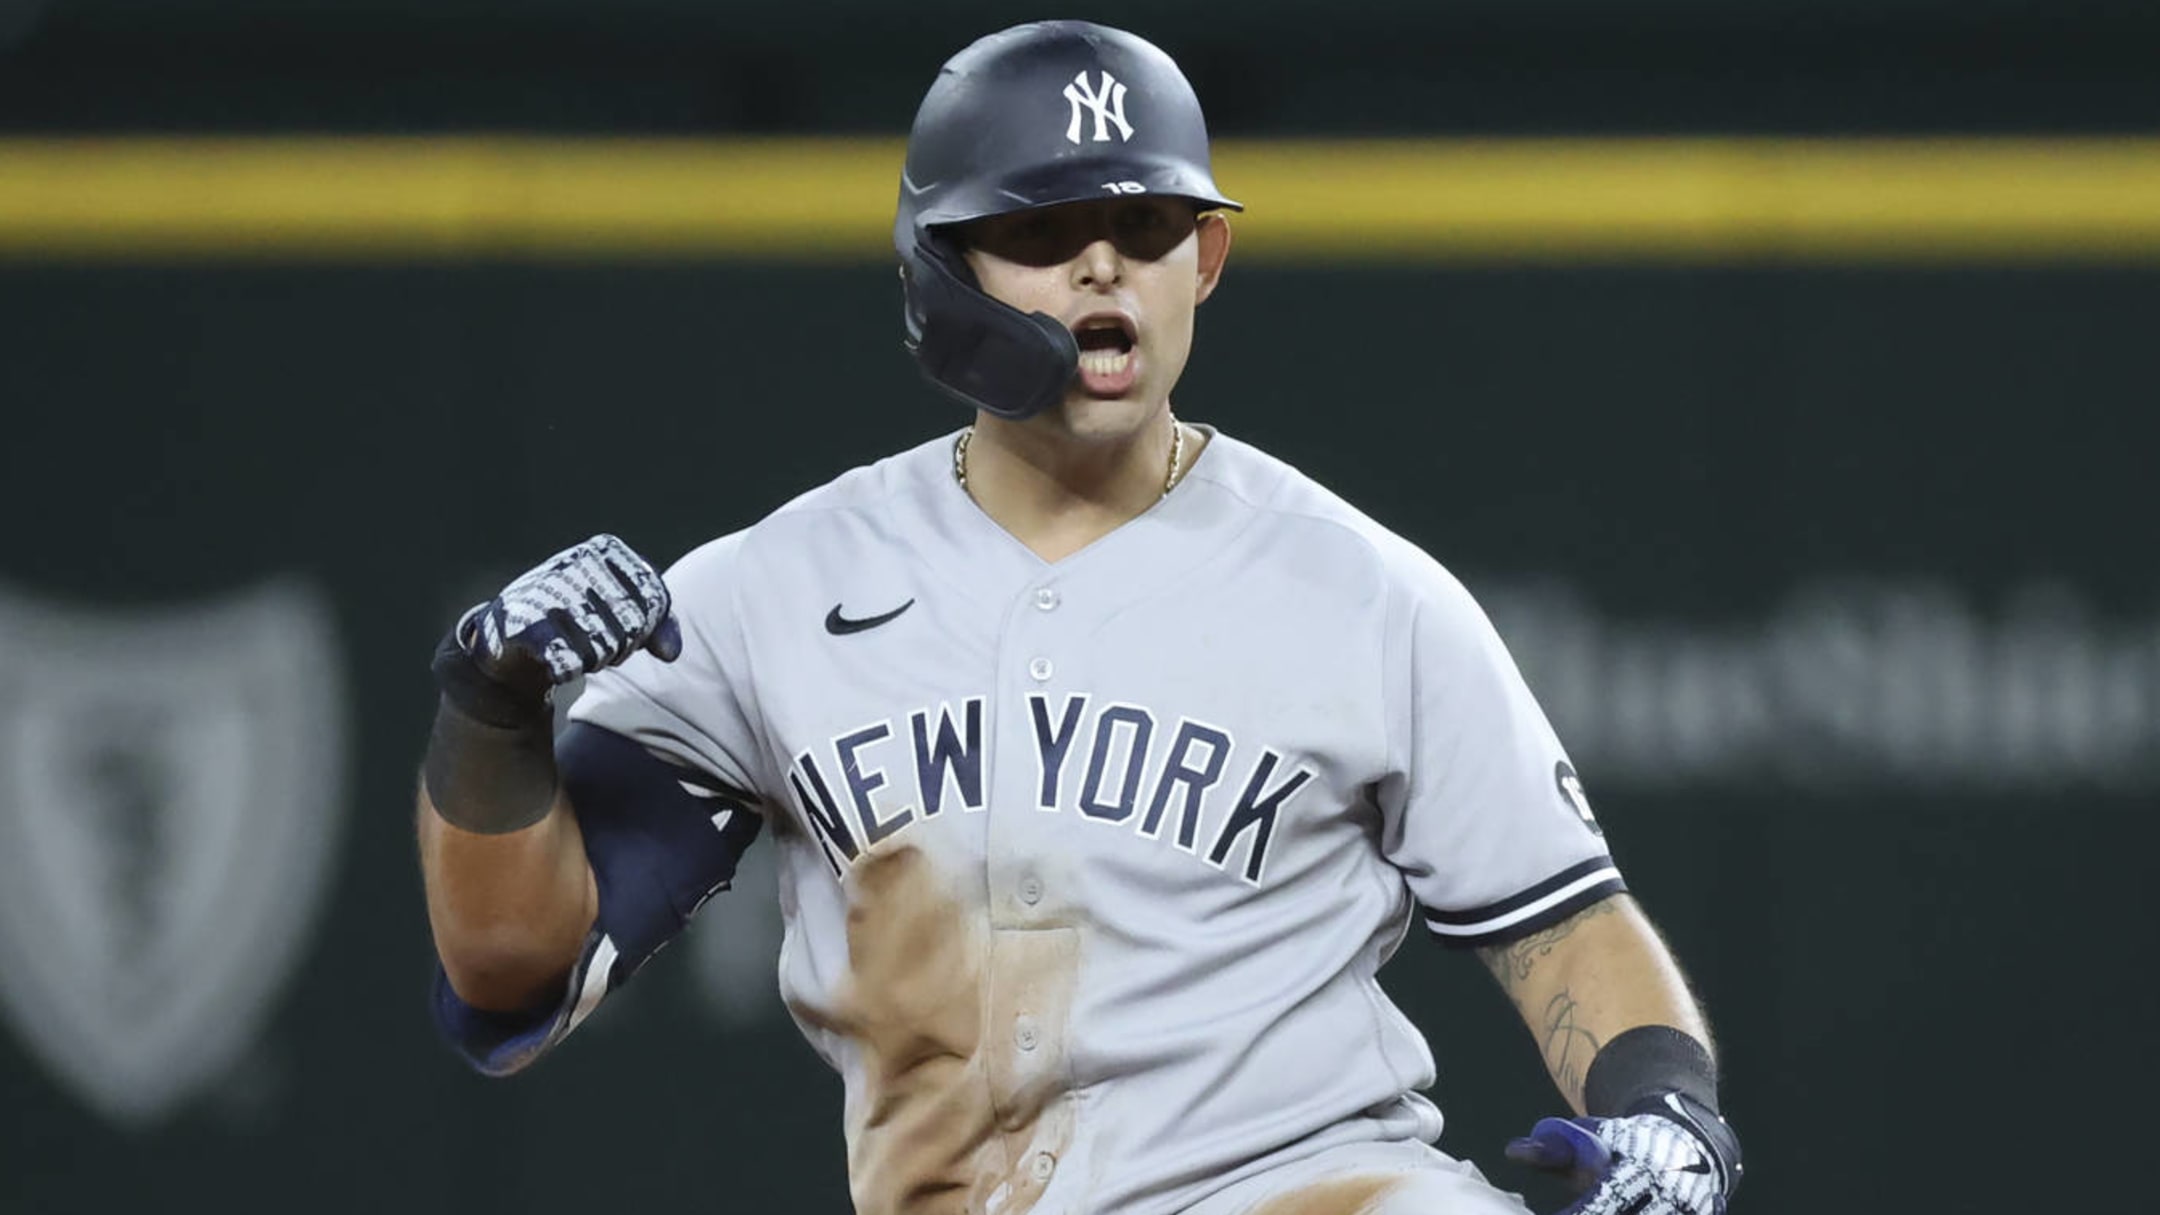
(588, 607)
(1675, 1157)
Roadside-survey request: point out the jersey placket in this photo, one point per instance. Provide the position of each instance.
(1032, 960)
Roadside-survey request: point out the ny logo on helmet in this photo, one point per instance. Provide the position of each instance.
(1106, 100)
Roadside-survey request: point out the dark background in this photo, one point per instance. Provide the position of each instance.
(1927, 962)
(1262, 67)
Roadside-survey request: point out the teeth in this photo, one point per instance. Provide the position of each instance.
(1105, 362)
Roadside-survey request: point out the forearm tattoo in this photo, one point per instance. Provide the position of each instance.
(1568, 1047)
(1512, 963)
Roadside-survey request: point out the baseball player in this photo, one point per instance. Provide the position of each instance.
(1107, 757)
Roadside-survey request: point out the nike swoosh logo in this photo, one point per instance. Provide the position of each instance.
(914, 189)
(1700, 1166)
(841, 626)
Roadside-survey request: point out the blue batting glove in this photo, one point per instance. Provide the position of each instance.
(588, 607)
(1670, 1156)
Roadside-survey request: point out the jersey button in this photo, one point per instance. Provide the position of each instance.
(1047, 599)
(1031, 890)
(1040, 669)
(1042, 1166)
(1024, 1034)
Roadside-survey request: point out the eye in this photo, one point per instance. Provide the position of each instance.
(1031, 238)
(1151, 229)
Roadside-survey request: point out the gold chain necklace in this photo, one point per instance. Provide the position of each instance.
(1170, 479)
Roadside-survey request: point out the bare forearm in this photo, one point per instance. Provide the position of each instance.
(509, 911)
(1585, 980)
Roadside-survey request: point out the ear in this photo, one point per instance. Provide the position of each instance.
(1214, 233)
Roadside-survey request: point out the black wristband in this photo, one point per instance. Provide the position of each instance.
(1644, 1062)
(489, 779)
(490, 765)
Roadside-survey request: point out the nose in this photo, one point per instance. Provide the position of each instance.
(1098, 267)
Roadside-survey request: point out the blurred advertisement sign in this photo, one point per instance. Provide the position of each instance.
(171, 784)
(1848, 685)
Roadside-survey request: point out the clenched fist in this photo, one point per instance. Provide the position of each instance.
(490, 765)
(588, 607)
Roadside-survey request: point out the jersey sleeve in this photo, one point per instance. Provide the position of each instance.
(1482, 812)
(661, 841)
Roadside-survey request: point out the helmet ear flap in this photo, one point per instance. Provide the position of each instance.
(981, 351)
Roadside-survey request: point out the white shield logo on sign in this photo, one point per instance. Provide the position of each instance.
(170, 788)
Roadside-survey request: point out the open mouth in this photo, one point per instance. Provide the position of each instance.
(1106, 344)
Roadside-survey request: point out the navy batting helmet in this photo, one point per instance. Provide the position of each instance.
(1033, 116)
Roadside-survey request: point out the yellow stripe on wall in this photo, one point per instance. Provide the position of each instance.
(1467, 201)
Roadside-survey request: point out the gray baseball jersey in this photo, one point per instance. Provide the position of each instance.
(1087, 868)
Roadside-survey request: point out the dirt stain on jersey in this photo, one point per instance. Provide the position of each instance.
(964, 1105)
(1357, 1195)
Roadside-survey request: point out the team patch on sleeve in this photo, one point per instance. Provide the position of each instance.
(1540, 906)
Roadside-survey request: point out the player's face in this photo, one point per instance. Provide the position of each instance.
(1124, 275)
